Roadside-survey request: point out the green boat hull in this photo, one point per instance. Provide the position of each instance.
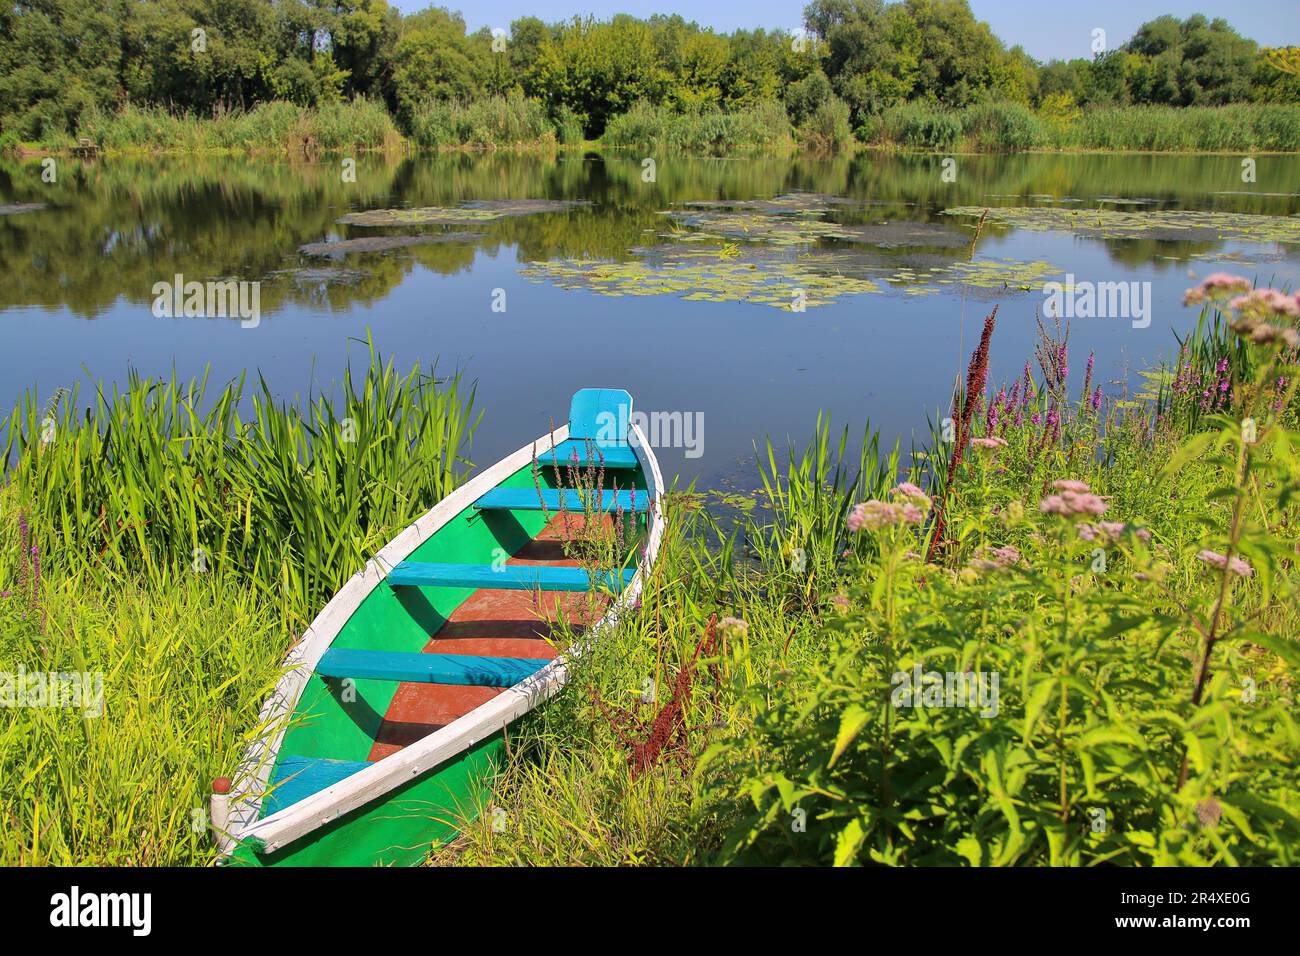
(403, 826)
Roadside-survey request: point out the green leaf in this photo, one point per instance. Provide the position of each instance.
(852, 720)
(848, 841)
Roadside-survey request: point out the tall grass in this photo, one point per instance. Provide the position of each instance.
(163, 479)
(714, 132)
(184, 669)
(497, 121)
(799, 537)
(1244, 126)
(1003, 127)
(273, 126)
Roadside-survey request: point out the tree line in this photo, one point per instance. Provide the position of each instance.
(60, 59)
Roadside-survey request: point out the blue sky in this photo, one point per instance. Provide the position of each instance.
(1046, 28)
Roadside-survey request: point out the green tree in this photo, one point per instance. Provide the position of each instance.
(433, 60)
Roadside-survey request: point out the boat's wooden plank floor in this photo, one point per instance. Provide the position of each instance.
(494, 623)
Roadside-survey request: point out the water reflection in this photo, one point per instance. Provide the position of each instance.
(112, 228)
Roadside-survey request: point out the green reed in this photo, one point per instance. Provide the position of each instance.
(808, 496)
(161, 479)
(491, 122)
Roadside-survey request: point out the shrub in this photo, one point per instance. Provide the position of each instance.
(804, 97)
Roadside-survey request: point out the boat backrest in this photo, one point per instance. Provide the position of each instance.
(601, 414)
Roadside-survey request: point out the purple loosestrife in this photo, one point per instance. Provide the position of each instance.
(976, 377)
(1087, 376)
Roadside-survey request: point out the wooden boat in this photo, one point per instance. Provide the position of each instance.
(384, 733)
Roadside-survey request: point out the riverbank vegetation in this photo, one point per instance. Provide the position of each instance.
(1068, 640)
(1107, 572)
(197, 76)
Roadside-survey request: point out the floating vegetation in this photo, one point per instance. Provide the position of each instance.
(477, 211)
(13, 209)
(799, 219)
(780, 282)
(1160, 224)
(344, 247)
(1000, 275)
(317, 277)
(775, 278)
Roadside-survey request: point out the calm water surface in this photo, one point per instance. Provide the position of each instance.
(77, 277)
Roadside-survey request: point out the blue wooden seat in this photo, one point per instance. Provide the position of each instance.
(419, 668)
(590, 455)
(296, 778)
(507, 577)
(528, 499)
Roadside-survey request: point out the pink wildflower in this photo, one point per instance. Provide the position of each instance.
(1007, 555)
(1220, 283)
(1070, 484)
(1238, 566)
(911, 494)
(873, 515)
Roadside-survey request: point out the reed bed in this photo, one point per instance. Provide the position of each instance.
(489, 123)
(162, 479)
(712, 132)
(1010, 127)
(276, 126)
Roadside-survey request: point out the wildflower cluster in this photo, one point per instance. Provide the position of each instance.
(1074, 500)
(907, 507)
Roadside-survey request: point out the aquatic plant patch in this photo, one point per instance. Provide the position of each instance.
(784, 283)
(775, 278)
(1160, 224)
(344, 247)
(800, 219)
(315, 277)
(998, 275)
(16, 208)
(485, 210)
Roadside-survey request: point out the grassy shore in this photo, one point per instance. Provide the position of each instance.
(1123, 563)
(517, 123)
